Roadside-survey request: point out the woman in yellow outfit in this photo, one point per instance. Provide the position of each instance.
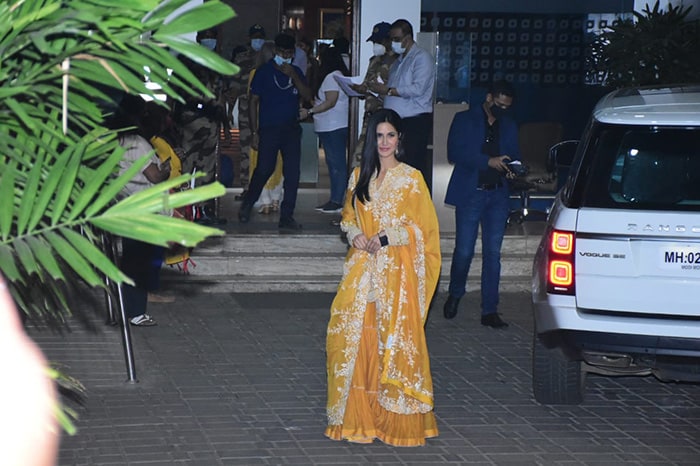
(271, 194)
(379, 381)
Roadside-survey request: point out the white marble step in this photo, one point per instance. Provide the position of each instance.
(320, 244)
(270, 262)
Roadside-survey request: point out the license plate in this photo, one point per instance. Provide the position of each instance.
(685, 258)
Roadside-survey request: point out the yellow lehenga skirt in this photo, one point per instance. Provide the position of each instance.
(365, 419)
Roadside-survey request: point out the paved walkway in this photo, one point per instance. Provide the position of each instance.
(239, 379)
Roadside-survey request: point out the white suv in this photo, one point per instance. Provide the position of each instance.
(616, 278)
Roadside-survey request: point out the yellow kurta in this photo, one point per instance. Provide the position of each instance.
(379, 313)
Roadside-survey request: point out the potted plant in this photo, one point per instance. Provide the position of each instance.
(654, 47)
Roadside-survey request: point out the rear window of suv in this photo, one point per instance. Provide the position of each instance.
(639, 167)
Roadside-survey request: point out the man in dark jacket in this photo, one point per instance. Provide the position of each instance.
(481, 143)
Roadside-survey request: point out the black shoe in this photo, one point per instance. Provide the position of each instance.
(330, 207)
(289, 224)
(244, 213)
(493, 321)
(451, 307)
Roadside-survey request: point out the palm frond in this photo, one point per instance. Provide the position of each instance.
(61, 184)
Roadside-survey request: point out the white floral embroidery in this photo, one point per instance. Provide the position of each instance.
(407, 390)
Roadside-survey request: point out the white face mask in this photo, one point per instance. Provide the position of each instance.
(208, 43)
(397, 48)
(279, 60)
(378, 50)
(256, 44)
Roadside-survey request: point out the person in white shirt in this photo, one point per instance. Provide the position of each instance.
(330, 112)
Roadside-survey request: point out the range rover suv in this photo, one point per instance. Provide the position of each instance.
(616, 277)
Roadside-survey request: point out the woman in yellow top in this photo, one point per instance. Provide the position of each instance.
(379, 381)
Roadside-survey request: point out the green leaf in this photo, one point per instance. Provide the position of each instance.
(199, 54)
(42, 205)
(96, 257)
(97, 184)
(44, 255)
(8, 266)
(25, 256)
(74, 260)
(156, 199)
(7, 187)
(93, 184)
(30, 191)
(20, 112)
(69, 171)
(204, 16)
(156, 229)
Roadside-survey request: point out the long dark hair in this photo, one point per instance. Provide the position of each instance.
(331, 60)
(370, 155)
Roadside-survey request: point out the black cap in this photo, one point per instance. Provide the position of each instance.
(380, 31)
(256, 29)
(285, 41)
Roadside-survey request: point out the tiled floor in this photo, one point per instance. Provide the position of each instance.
(239, 379)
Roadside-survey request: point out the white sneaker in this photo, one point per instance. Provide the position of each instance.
(144, 320)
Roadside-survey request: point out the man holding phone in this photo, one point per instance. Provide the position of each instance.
(481, 143)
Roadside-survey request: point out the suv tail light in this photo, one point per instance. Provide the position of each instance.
(560, 262)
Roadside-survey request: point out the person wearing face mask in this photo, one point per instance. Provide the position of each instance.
(409, 92)
(275, 94)
(481, 142)
(208, 39)
(378, 70)
(245, 58)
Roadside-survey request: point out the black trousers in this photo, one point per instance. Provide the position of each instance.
(416, 135)
(136, 261)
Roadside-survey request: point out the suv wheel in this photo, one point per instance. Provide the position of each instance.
(555, 378)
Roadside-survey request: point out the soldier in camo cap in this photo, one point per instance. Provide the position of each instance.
(382, 59)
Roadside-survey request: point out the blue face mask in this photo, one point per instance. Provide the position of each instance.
(256, 44)
(208, 43)
(280, 61)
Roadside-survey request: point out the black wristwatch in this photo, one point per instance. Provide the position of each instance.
(383, 240)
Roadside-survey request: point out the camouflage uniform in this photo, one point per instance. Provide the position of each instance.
(378, 67)
(200, 136)
(199, 125)
(238, 89)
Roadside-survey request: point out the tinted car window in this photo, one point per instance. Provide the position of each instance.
(641, 167)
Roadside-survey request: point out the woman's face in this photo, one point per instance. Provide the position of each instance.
(387, 140)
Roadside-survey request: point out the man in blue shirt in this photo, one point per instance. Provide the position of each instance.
(409, 92)
(273, 110)
(481, 142)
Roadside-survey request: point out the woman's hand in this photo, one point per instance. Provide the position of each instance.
(373, 244)
(360, 242)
